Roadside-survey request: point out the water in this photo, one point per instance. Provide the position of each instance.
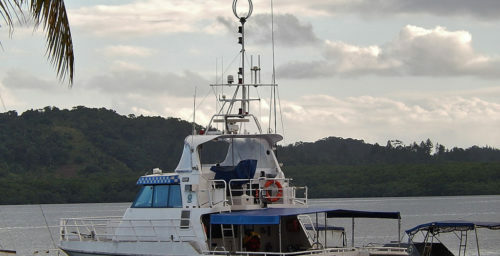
(24, 227)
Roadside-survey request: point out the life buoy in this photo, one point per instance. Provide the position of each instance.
(269, 197)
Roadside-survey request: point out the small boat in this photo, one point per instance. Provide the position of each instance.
(432, 246)
(228, 194)
(7, 252)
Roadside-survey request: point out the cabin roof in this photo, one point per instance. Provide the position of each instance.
(195, 140)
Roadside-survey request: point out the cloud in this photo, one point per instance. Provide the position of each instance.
(146, 83)
(416, 52)
(126, 51)
(149, 17)
(482, 9)
(454, 121)
(19, 80)
(288, 30)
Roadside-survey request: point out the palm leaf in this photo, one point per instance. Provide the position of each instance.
(7, 10)
(51, 14)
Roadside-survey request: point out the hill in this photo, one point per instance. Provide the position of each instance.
(96, 155)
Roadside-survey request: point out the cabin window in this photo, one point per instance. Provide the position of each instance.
(174, 199)
(159, 196)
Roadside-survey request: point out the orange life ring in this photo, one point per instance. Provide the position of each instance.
(268, 194)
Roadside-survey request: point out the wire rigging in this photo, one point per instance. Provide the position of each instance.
(3, 103)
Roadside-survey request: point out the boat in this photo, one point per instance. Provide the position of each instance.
(430, 245)
(7, 252)
(228, 194)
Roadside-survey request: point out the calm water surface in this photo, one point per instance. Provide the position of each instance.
(24, 227)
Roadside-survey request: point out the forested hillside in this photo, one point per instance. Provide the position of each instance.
(96, 155)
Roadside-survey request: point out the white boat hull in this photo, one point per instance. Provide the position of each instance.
(77, 248)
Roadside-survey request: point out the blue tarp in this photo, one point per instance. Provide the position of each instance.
(269, 216)
(452, 225)
(244, 170)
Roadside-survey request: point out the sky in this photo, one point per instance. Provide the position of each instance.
(374, 70)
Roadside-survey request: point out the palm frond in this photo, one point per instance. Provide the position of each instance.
(10, 10)
(51, 14)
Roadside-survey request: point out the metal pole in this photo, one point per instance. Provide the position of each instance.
(399, 231)
(244, 89)
(460, 247)
(477, 242)
(210, 238)
(279, 233)
(352, 235)
(326, 227)
(317, 229)
(241, 238)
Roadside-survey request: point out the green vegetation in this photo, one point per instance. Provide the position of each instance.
(95, 155)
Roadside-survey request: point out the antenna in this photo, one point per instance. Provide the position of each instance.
(274, 67)
(194, 112)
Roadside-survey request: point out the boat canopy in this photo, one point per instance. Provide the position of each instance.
(270, 216)
(242, 147)
(451, 226)
(362, 214)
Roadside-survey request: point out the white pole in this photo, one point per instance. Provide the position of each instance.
(477, 242)
(399, 231)
(194, 111)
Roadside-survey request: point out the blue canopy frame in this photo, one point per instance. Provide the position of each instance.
(271, 216)
(432, 229)
(452, 225)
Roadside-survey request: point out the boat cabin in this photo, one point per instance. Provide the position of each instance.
(239, 171)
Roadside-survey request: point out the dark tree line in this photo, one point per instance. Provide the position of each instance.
(56, 155)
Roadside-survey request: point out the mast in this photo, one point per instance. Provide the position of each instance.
(241, 69)
(234, 111)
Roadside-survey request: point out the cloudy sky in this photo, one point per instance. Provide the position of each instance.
(367, 69)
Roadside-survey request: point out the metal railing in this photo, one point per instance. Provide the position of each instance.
(216, 194)
(326, 251)
(306, 220)
(116, 229)
(255, 188)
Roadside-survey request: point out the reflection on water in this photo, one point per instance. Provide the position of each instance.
(24, 227)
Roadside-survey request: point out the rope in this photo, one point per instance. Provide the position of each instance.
(47, 225)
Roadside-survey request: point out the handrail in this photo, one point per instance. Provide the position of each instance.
(212, 188)
(310, 252)
(289, 191)
(113, 229)
(312, 237)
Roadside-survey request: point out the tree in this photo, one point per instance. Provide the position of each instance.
(51, 14)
